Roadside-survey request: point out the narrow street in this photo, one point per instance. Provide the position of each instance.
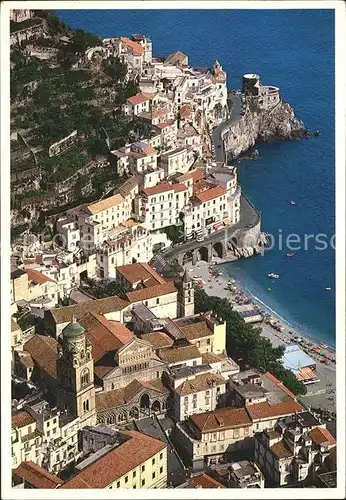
(220, 155)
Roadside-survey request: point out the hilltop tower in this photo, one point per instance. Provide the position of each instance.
(75, 367)
(186, 296)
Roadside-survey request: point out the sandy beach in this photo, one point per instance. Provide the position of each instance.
(320, 394)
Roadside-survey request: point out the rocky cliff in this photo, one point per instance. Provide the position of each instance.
(263, 126)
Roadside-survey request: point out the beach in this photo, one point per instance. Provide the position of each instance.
(321, 394)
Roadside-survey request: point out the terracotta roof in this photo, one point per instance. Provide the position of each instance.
(25, 359)
(264, 410)
(140, 271)
(197, 330)
(99, 306)
(306, 373)
(195, 175)
(115, 464)
(163, 187)
(280, 384)
(321, 435)
(22, 419)
(134, 47)
(222, 418)
(176, 354)
(44, 352)
(185, 111)
(281, 450)
(175, 57)
(205, 481)
(37, 278)
(210, 194)
(157, 339)
(110, 202)
(37, 476)
(210, 358)
(202, 382)
(138, 98)
(106, 335)
(129, 223)
(150, 293)
(14, 326)
(168, 123)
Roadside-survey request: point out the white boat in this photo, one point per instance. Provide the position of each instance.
(273, 276)
(328, 288)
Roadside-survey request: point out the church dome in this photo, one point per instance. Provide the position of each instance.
(73, 331)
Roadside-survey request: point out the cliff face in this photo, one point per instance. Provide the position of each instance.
(263, 126)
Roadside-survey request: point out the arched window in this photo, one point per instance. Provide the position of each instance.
(84, 378)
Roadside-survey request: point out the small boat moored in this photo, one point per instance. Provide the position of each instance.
(273, 276)
(290, 254)
(328, 288)
(292, 202)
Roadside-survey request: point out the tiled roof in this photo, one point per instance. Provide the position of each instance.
(264, 410)
(25, 359)
(163, 187)
(281, 450)
(222, 418)
(138, 98)
(197, 330)
(22, 419)
(106, 335)
(202, 382)
(14, 326)
(140, 271)
(280, 384)
(99, 306)
(175, 57)
(150, 293)
(185, 111)
(177, 354)
(210, 358)
(44, 352)
(168, 123)
(210, 194)
(321, 435)
(115, 464)
(105, 204)
(134, 47)
(195, 175)
(157, 339)
(37, 278)
(37, 476)
(205, 481)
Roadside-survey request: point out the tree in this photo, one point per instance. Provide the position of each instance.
(115, 69)
(245, 343)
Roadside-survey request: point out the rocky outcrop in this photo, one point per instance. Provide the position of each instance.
(263, 126)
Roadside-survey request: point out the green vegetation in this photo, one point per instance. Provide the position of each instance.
(99, 289)
(115, 69)
(174, 233)
(244, 342)
(25, 320)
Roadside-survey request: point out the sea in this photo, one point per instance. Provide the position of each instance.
(294, 50)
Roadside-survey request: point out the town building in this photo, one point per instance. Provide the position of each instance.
(26, 440)
(29, 475)
(294, 450)
(245, 474)
(135, 461)
(266, 97)
(207, 438)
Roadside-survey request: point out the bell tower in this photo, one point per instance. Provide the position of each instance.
(75, 366)
(186, 297)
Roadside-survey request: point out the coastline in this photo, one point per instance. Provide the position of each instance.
(318, 393)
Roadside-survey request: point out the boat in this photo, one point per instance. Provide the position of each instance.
(292, 202)
(273, 276)
(328, 288)
(269, 289)
(291, 254)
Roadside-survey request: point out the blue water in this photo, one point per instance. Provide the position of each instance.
(293, 49)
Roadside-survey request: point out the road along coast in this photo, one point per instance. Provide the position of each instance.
(320, 395)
